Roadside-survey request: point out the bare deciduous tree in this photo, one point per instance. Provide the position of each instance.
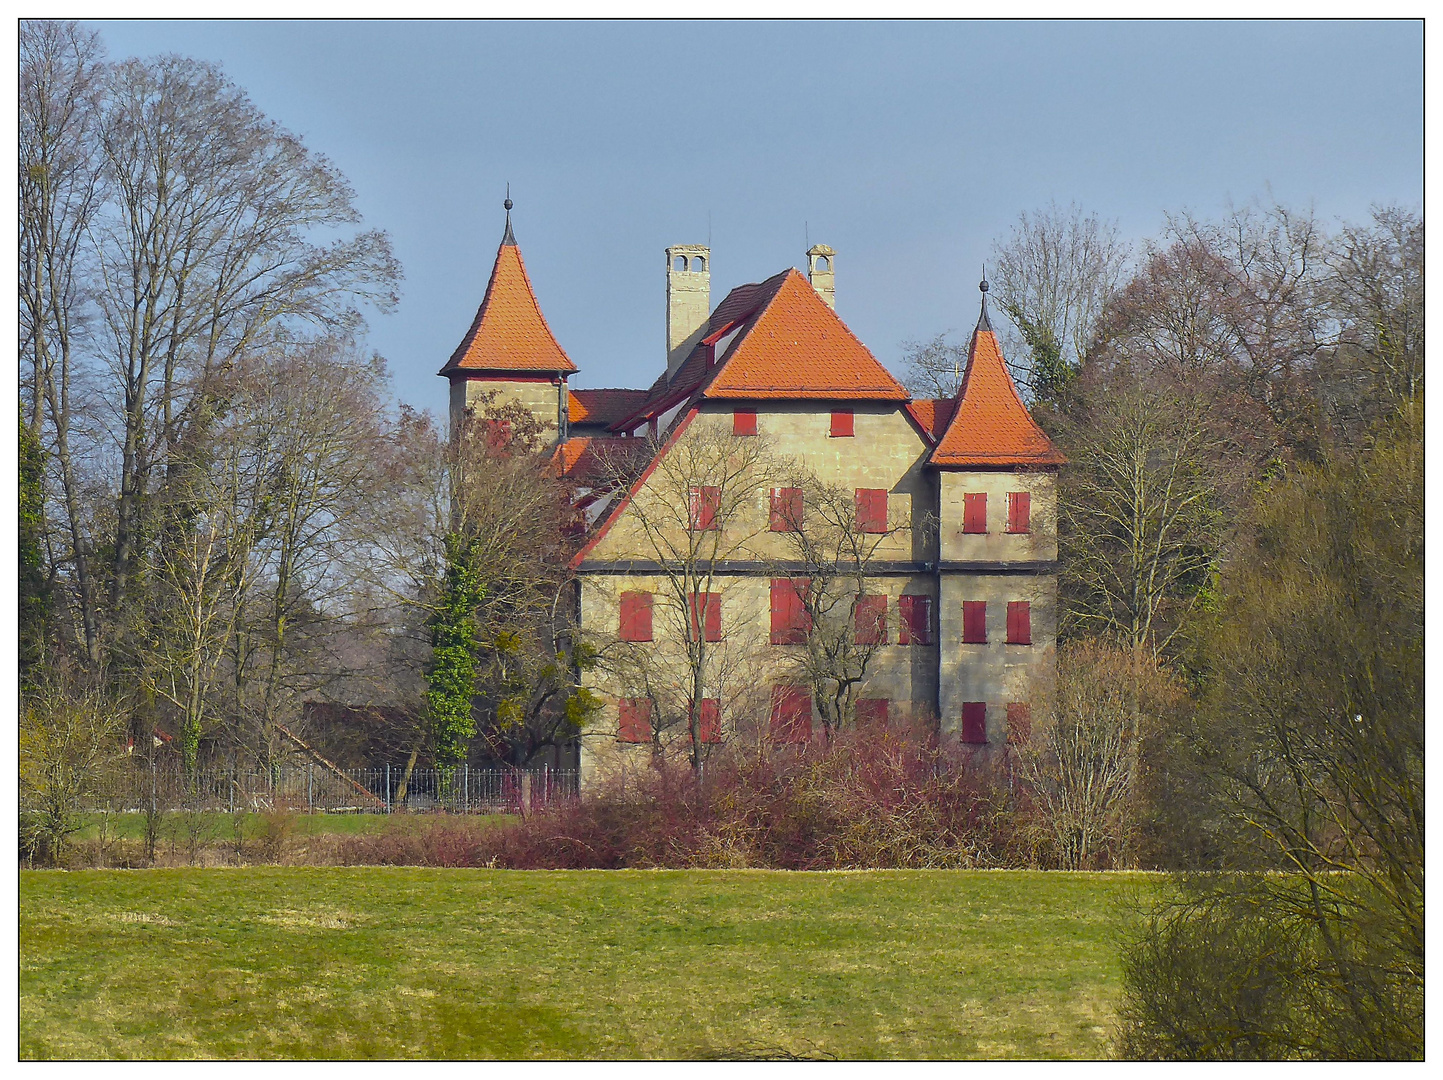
(1053, 276)
(1079, 764)
(61, 81)
(836, 555)
(698, 509)
(206, 248)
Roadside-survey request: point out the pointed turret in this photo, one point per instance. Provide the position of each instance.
(991, 428)
(509, 333)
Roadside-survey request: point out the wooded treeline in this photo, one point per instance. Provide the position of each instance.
(1240, 670)
(224, 513)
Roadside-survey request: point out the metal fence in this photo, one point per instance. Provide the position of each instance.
(317, 789)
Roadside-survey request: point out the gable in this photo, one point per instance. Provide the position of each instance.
(795, 346)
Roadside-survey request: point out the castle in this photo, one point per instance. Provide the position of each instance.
(955, 498)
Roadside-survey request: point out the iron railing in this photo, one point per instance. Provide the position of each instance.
(317, 789)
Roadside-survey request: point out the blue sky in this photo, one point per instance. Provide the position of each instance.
(908, 147)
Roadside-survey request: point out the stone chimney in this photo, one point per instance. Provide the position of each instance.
(688, 301)
(822, 273)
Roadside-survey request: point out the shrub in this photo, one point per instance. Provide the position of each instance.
(875, 798)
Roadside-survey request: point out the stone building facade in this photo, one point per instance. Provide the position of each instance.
(961, 587)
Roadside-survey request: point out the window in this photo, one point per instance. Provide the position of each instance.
(974, 622)
(708, 728)
(1019, 512)
(1019, 623)
(706, 610)
(698, 264)
(974, 512)
(705, 506)
(498, 436)
(1019, 722)
(744, 422)
(871, 620)
(679, 263)
(872, 510)
(786, 509)
(790, 621)
(634, 720)
(842, 427)
(974, 721)
(915, 615)
(635, 616)
(871, 711)
(791, 714)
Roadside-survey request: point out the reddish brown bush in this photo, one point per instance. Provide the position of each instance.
(879, 798)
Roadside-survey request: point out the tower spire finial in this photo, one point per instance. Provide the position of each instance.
(983, 323)
(509, 238)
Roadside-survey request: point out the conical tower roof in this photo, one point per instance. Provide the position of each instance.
(991, 428)
(509, 333)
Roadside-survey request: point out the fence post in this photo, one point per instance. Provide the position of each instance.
(466, 788)
(310, 788)
(388, 787)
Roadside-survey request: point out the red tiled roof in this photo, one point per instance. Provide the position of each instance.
(590, 458)
(990, 426)
(509, 332)
(795, 346)
(604, 406)
(788, 344)
(932, 415)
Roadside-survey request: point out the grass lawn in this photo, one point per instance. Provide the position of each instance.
(220, 826)
(401, 962)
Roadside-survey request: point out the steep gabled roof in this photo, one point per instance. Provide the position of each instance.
(795, 346)
(509, 332)
(603, 406)
(785, 343)
(990, 427)
(590, 459)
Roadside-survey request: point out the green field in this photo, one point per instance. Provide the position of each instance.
(221, 827)
(398, 962)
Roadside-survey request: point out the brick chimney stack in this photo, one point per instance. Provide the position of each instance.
(688, 300)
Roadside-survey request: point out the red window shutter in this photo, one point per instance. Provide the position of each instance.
(790, 621)
(706, 615)
(744, 422)
(974, 622)
(974, 721)
(916, 620)
(705, 505)
(1019, 623)
(498, 436)
(636, 616)
(634, 715)
(791, 714)
(1019, 511)
(708, 728)
(786, 509)
(870, 623)
(842, 426)
(872, 510)
(974, 512)
(871, 711)
(1019, 722)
